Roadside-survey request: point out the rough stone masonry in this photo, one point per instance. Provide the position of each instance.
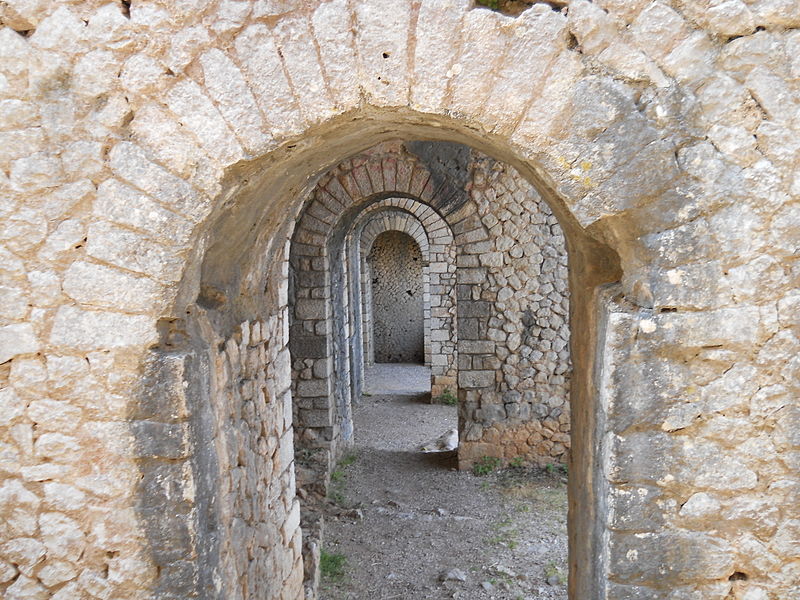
(397, 299)
(155, 157)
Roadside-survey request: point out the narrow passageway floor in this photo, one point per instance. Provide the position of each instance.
(415, 528)
(400, 379)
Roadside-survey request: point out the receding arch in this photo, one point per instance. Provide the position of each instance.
(229, 274)
(369, 184)
(227, 267)
(325, 251)
(435, 239)
(398, 300)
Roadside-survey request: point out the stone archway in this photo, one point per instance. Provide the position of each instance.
(332, 214)
(512, 405)
(390, 265)
(436, 243)
(146, 247)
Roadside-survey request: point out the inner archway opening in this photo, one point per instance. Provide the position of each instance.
(397, 299)
(276, 313)
(432, 254)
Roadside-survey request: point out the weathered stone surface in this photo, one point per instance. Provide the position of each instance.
(159, 440)
(19, 505)
(17, 339)
(52, 415)
(255, 48)
(25, 553)
(26, 588)
(228, 88)
(56, 572)
(332, 31)
(663, 136)
(382, 34)
(647, 558)
(62, 536)
(700, 506)
(133, 251)
(97, 285)
(397, 299)
(64, 497)
(93, 330)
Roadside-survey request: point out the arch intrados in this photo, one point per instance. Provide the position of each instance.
(419, 236)
(431, 235)
(403, 233)
(351, 218)
(285, 176)
(424, 207)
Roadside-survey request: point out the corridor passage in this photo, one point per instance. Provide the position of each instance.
(407, 525)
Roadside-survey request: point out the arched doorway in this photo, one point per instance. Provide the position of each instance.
(397, 296)
(509, 262)
(435, 239)
(183, 329)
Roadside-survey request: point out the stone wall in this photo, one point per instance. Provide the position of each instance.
(152, 153)
(237, 515)
(209, 432)
(519, 324)
(397, 299)
(257, 534)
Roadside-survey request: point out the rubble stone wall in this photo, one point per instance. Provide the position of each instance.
(151, 152)
(398, 307)
(257, 513)
(515, 366)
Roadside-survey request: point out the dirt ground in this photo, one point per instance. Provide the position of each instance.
(408, 525)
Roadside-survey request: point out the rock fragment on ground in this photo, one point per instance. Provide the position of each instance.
(453, 575)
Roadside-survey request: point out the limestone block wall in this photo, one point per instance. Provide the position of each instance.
(151, 153)
(311, 331)
(397, 295)
(712, 466)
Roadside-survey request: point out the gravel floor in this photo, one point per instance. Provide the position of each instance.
(420, 526)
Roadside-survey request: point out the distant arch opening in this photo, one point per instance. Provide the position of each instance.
(397, 293)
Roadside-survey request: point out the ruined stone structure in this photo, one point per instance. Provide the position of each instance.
(160, 163)
(494, 311)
